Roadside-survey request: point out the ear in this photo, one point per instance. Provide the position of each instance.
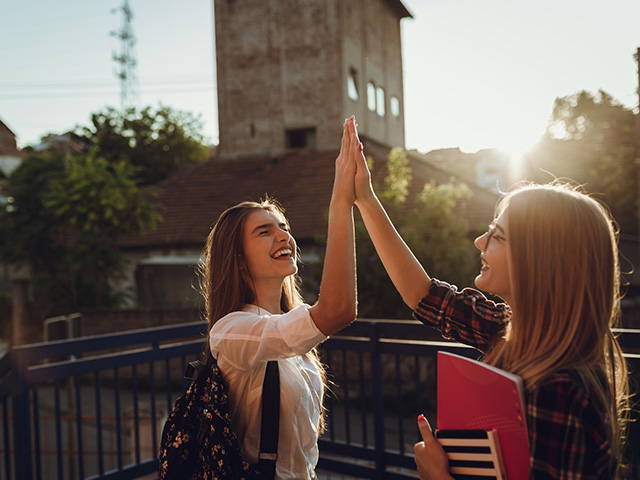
(242, 264)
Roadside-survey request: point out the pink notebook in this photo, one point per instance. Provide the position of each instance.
(475, 396)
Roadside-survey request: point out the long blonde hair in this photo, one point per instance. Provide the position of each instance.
(565, 288)
(225, 281)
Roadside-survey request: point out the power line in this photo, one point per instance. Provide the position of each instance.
(76, 93)
(98, 83)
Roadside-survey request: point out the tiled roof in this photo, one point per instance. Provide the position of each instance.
(194, 196)
(300, 180)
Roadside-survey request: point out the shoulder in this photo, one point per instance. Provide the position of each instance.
(254, 323)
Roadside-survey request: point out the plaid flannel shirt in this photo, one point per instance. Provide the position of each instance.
(567, 431)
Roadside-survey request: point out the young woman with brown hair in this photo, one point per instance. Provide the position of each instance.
(256, 314)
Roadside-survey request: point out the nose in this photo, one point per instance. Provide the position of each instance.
(283, 235)
(481, 241)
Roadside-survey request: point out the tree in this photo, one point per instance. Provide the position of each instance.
(64, 223)
(440, 240)
(591, 140)
(156, 142)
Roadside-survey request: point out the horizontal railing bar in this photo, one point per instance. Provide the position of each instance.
(396, 459)
(354, 450)
(75, 346)
(81, 366)
(385, 329)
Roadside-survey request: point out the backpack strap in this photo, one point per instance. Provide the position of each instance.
(270, 428)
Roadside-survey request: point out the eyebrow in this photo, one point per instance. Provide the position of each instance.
(499, 228)
(268, 226)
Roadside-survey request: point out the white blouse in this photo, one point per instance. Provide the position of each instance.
(242, 342)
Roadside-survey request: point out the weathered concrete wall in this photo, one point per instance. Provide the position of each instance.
(284, 64)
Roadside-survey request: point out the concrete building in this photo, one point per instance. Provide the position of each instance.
(289, 72)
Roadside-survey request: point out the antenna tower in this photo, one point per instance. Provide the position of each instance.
(126, 59)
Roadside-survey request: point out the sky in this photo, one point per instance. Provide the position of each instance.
(477, 73)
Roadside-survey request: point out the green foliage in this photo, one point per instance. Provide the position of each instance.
(64, 223)
(99, 198)
(156, 142)
(398, 177)
(591, 140)
(441, 241)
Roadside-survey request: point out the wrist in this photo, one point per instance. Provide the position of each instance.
(341, 201)
(369, 200)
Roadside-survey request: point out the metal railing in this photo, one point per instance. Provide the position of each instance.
(94, 407)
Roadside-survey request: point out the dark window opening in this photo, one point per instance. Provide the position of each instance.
(352, 84)
(301, 138)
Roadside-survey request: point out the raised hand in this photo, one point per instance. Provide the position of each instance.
(363, 188)
(343, 182)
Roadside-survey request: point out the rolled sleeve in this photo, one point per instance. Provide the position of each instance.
(246, 338)
(466, 316)
(299, 331)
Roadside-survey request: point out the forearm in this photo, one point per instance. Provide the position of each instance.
(336, 306)
(404, 270)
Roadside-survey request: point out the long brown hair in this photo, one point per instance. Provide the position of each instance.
(565, 286)
(225, 280)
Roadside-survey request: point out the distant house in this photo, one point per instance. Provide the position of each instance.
(67, 143)
(287, 79)
(10, 154)
(163, 261)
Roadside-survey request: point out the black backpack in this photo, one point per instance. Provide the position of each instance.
(197, 439)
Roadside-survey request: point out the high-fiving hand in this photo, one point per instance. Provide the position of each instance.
(344, 181)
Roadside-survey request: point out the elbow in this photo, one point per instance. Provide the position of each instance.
(343, 315)
(346, 313)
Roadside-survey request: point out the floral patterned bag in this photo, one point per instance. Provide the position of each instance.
(197, 439)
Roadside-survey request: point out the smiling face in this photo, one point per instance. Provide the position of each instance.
(269, 249)
(495, 274)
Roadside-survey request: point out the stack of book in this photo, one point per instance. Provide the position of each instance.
(481, 420)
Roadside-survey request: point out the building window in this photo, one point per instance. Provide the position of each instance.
(371, 96)
(394, 106)
(352, 84)
(380, 101)
(301, 138)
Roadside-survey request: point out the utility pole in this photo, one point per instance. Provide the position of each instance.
(126, 59)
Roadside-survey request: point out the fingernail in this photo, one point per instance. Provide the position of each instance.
(361, 147)
(421, 418)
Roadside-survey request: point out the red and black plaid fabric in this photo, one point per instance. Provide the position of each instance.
(567, 429)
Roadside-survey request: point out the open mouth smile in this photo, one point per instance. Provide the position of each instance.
(282, 252)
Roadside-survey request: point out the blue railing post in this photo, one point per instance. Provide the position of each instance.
(21, 421)
(378, 401)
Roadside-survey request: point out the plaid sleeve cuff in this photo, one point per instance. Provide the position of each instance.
(466, 316)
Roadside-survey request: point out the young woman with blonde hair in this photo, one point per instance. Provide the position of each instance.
(256, 314)
(551, 256)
